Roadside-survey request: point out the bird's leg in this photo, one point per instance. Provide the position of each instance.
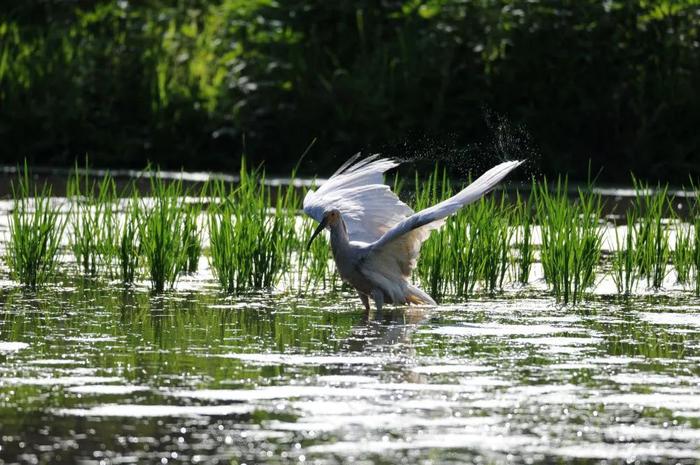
(365, 300)
(378, 297)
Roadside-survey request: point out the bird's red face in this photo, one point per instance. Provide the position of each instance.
(330, 218)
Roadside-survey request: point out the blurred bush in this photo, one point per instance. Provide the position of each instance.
(193, 83)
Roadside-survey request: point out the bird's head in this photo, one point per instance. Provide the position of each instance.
(330, 219)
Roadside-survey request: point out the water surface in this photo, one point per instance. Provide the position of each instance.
(93, 373)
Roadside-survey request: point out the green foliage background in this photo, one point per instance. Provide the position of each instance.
(193, 83)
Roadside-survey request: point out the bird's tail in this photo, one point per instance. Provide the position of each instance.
(416, 296)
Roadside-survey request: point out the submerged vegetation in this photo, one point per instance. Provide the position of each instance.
(254, 237)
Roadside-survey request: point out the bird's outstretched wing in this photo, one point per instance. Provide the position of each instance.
(367, 205)
(396, 251)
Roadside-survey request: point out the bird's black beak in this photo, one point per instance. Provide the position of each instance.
(316, 233)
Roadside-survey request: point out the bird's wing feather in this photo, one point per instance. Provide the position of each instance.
(367, 205)
(396, 251)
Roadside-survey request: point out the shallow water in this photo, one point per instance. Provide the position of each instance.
(92, 373)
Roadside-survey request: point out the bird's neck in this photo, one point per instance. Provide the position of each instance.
(339, 238)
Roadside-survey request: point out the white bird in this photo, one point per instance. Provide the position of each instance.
(375, 237)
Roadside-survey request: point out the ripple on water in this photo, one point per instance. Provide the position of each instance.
(449, 368)
(560, 345)
(627, 433)
(91, 339)
(328, 407)
(612, 360)
(487, 379)
(535, 394)
(572, 366)
(276, 392)
(628, 452)
(478, 442)
(12, 346)
(107, 389)
(60, 380)
(557, 341)
(689, 401)
(495, 329)
(650, 378)
(394, 422)
(300, 359)
(668, 318)
(139, 411)
(55, 361)
(346, 379)
(473, 384)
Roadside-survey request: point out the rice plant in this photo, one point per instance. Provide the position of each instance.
(696, 253)
(162, 236)
(473, 247)
(93, 221)
(35, 227)
(192, 236)
(432, 268)
(522, 220)
(571, 239)
(314, 266)
(222, 236)
(652, 233)
(682, 253)
(257, 239)
(129, 250)
(249, 248)
(286, 205)
(624, 259)
(490, 223)
(460, 262)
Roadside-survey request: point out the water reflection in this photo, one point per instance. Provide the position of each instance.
(93, 372)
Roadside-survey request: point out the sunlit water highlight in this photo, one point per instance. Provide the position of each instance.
(97, 374)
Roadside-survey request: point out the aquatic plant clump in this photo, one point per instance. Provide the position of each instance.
(192, 237)
(35, 227)
(682, 253)
(524, 249)
(696, 254)
(433, 268)
(162, 235)
(314, 265)
(93, 222)
(625, 271)
(129, 251)
(491, 220)
(571, 239)
(310, 266)
(653, 254)
(257, 240)
(473, 248)
(250, 247)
